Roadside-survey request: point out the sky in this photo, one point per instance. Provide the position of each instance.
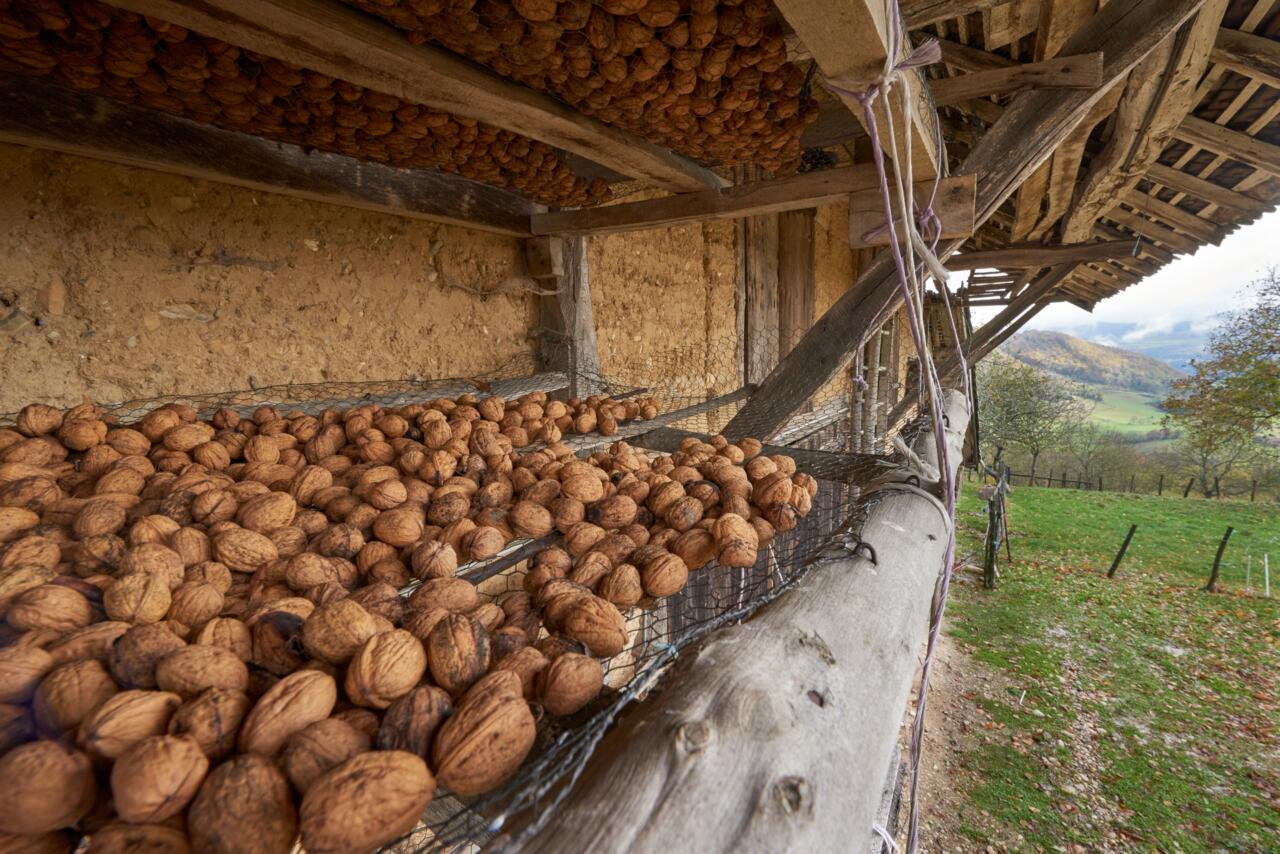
(1193, 288)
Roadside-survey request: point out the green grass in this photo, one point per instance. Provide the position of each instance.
(1161, 697)
(1127, 412)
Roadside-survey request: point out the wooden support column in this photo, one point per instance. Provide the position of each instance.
(871, 396)
(796, 283)
(760, 332)
(1024, 137)
(568, 340)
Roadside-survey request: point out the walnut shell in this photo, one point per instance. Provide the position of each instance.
(264, 513)
(191, 670)
(530, 519)
(526, 663)
(420, 622)
(156, 778)
(581, 538)
(337, 630)
(244, 807)
(120, 837)
(483, 742)
(213, 720)
(387, 667)
(569, 683)
(38, 419)
(365, 802)
(613, 513)
(16, 727)
(50, 606)
(457, 653)
(736, 541)
(228, 633)
(153, 558)
(195, 603)
(69, 694)
(622, 586)
(696, 548)
(44, 785)
(598, 624)
(664, 575)
(126, 719)
(297, 700)
(138, 598)
(434, 559)
(14, 582)
(411, 722)
(244, 551)
(21, 669)
(135, 654)
(456, 595)
(320, 747)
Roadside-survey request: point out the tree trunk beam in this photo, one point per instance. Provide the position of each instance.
(343, 43)
(774, 734)
(1068, 72)
(1231, 143)
(36, 113)
(1038, 255)
(849, 41)
(1249, 54)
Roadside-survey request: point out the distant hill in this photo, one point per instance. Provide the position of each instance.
(1090, 363)
(1176, 346)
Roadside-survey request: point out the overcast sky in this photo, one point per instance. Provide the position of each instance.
(1192, 287)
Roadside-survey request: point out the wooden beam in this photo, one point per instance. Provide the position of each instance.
(1231, 143)
(924, 13)
(805, 190)
(1159, 92)
(1152, 230)
(37, 113)
(849, 41)
(1026, 135)
(336, 40)
(835, 125)
(1068, 72)
(796, 282)
(776, 733)
(760, 347)
(568, 342)
(1058, 20)
(1198, 227)
(1249, 54)
(1201, 188)
(1038, 255)
(1029, 201)
(953, 203)
(971, 59)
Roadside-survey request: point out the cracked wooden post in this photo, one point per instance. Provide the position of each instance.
(775, 734)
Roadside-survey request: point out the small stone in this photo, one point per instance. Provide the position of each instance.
(313, 245)
(131, 341)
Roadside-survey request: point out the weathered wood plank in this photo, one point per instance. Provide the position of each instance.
(339, 41)
(811, 692)
(36, 113)
(805, 190)
(953, 203)
(1026, 135)
(1192, 185)
(1059, 19)
(1249, 54)
(1029, 201)
(835, 125)
(849, 41)
(1039, 255)
(923, 13)
(1198, 227)
(760, 344)
(568, 341)
(1068, 72)
(971, 59)
(1152, 230)
(796, 282)
(1231, 143)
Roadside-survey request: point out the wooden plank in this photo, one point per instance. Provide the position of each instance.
(1006, 24)
(1231, 143)
(1198, 227)
(1026, 135)
(1028, 203)
(337, 40)
(1191, 185)
(1160, 91)
(1249, 54)
(835, 125)
(1068, 72)
(37, 113)
(1058, 21)
(775, 734)
(953, 204)
(569, 335)
(849, 41)
(805, 190)
(923, 13)
(1039, 255)
(796, 284)
(1152, 230)
(971, 59)
(760, 347)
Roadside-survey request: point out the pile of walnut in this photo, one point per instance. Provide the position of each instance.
(205, 643)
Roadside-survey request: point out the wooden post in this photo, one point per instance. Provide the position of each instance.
(760, 346)
(1133, 480)
(568, 325)
(796, 284)
(775, 734)
(1190, 482)
(1124, 547)
(1217, 560)
(1099, 483)
(1160, 486)
(871, 374)
(1253, 491)
(1217, 486)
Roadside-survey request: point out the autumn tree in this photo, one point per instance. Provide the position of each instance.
(1023, 407)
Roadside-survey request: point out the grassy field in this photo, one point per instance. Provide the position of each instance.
(1127, 412)
(1139, 713)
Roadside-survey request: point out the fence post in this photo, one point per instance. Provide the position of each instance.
(1217, 560)
(1190, 482)
(1160, 486)
(1217, 487)
(1266, 575)
(1253, 491)
(1133, 480)
(1124, 547)
(1099, 483)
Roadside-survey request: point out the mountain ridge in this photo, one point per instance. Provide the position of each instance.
(1089, 362)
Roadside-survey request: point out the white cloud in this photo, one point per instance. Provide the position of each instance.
(1195, 288)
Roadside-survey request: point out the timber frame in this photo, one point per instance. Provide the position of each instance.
(1078, 148)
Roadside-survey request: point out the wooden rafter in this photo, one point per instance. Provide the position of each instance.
(849, 40)
(1209, 191)
(339, 41)
(1038, 255)
(1152, 230)
(1201, 229)
(1231, 143)
(923, 13)
(1069, 72)
(1058, 20)
(37, 113)
(1250, 55)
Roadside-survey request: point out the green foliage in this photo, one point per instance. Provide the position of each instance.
(1024, 407)
(1162, 699)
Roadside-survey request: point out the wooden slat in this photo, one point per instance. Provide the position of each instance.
(760, 344)
(1026, 135)
(1152, 230)
(336, 40)
(1231, 143)
(1069, 72)
(1028, 203)
(849, 41)
(1198, 227)
(1191, 185)
(806, 190)
(922, 13)
(36, 113)
(1249, 54)
(953, 204)
(971, 59)
(1039, 255)
(796, 283)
